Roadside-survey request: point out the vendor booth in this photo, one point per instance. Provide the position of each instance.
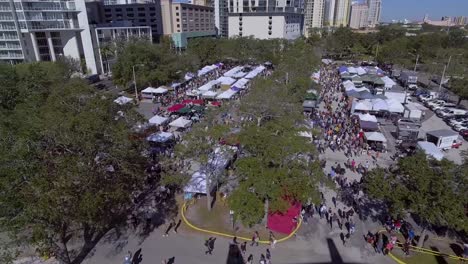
(309, 105)
(181, 123)
(368, 126)
(241, 83)
(225, 82)
(150, 92)
(158, 120)
(226, 94)
(197, 183)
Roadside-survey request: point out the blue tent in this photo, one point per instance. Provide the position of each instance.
(365, 95)
(343, 69)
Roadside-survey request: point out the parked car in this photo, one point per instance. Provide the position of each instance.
(444, 112)
(447, 119)
(420, 92)
(461, 127)
(458, 121)
(432, 104)
(425, 97)
(457, 143)
(412, 86)
(446, 105)
(464, 134)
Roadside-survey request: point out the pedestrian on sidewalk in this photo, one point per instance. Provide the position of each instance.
(250, 259)
(210, 245)
(272, 240)
(177, 226)
(334, 201)
(268, 254)
(243, 247)
(234, 240)
(255, 239)
(262, 259)
(343, 239)
(128, 258)
(339, 223)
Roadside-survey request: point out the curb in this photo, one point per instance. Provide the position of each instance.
(184, 208)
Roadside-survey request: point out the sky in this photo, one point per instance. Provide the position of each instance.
(416, 9)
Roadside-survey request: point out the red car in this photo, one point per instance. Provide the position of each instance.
(456, 144)
(464, 134)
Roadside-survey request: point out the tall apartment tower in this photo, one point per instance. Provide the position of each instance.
(221, 14)
(359, 16)
(313, 15)
(329, 13)
(341, 17)
(32, 30)
(375, 8)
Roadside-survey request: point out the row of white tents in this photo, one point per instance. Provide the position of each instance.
(365, 105)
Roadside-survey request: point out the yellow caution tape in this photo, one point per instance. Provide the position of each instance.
(184, 208)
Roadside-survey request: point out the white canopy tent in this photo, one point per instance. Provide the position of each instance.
(363, 105)
(397, 96)
(379, 105)
(207, 69)
(252, 74)
(223, 80)
(375, 136)
(209, 94)
(193, 92)
(360, 71)
(367, 117)
(389, 83)
(181, 122)
(151, 90)
(123, 100)
(348, 85)
(241, 83)
(197, 183)
(158, 120)
(352, 70)
(160, 137)
(233, 71)
(208, 86)
(239, 74)
(327, 61)
(395, 106)
(226, 94)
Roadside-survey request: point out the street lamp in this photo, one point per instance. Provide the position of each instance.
(445, 69)
(134, 81)
(417, 60)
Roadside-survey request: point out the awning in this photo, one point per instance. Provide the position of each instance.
(369, 126)
(379, 105)
(223, 80)
(241, 83)
(208, 86)
(180, 123)
(175, 107)
(388, 83)
(209, 94)
(196, 102)
(309, 104)
(363, 105)
(375, 136)
(157, 120)
(122, 100)
(395, 106)
(233, 71)
(151, 90)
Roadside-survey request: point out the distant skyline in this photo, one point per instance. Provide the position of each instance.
(416, 9)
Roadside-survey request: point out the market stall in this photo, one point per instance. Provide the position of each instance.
(226, 94)
(150, 92)
(158, 120)
(180, 122)
(197, 183)
(286, 222)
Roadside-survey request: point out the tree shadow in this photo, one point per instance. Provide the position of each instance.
(439, 259)
(457, 249)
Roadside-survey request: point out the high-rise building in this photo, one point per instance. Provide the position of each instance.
(375, 9)
(183, 22)
(221, 12)
(329, 13)
(313, 15)
(359, 16)
(341, 17)
(45, 30)
(265, 19)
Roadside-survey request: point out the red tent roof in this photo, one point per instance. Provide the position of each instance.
(284, 222)
(175, 107)
(215, 103)
(196, 102)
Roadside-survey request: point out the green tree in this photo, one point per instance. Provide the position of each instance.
(460, 87)
(67, 165)
(431, 190)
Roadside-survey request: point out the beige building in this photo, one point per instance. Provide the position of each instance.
(359, 14)
(184, 21)
(313, 15)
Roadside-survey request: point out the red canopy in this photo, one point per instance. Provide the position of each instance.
(175, 107)
(284, 222)
(195, 102)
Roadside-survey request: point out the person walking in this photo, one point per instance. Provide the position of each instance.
(250, 259)
(255, 239)
(343, 239)
(128, 258)
(209, 245)
(334, 201)
(177, 226)
(268, 254)
(262, 259)
(243, 247)
(272, 240)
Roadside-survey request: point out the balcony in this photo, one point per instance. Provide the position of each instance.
(11, 56)
(42, 6)
(10, 47)
(8, 37)
(53, 25)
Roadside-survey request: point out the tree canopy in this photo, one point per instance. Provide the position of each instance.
(433, 191)
(67, 164)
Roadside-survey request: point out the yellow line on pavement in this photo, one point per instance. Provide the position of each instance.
(184, 208)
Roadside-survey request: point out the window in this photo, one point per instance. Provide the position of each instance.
(129, 9)
(141, 9)
(118, 10)
(152, 8)
(141, 14)
(178, 20)
(142, 20)
(178, 25)
(130, 15)
(177, 8)
(177, 14)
